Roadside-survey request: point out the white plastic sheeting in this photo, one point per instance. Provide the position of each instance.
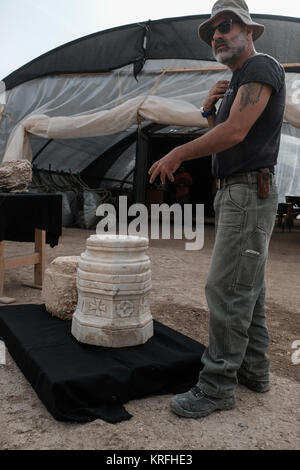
(292, 107)
(103, 104)
(150, 108)
(288, 166)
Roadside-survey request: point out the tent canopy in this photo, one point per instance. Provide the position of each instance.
(170, 38)
(70, 106)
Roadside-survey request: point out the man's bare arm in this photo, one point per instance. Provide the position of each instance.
(211, 121)
(250, 94)
(247, 107)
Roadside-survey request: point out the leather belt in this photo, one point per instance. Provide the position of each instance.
(241, 178)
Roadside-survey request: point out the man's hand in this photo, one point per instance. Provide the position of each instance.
(215, 93)
(166, 166)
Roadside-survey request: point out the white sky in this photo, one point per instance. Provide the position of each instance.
(30, 28)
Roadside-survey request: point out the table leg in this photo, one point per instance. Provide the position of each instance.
(3, 300)
(1, 267)
(40, 248)
(38, 258)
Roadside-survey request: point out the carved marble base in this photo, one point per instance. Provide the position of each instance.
(113, 283)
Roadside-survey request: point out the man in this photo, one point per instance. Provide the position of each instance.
(244, 141)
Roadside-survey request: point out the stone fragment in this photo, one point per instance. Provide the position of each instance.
(59, 291)
(113, 283)
(15, 176)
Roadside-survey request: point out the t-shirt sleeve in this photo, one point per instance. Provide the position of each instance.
(263, 69)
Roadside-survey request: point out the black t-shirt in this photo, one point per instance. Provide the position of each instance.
(260, 147)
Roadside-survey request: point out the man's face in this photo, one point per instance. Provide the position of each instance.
(227, 47)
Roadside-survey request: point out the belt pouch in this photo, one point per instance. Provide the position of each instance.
(263, 183)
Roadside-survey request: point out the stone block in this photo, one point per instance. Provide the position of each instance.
(15, 176)
(59, 291)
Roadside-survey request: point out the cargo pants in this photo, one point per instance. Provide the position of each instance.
(235, 289)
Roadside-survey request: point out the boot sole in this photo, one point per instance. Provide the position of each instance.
(200, 414)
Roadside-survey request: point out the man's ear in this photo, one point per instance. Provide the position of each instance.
(249, 32)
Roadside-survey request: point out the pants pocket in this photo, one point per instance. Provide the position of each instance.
(252, 257)
(239, 195)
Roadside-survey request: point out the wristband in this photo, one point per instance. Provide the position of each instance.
(211, 112)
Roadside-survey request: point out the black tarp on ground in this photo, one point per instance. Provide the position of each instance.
(80, 382)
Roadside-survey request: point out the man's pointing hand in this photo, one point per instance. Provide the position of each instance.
(166, 166)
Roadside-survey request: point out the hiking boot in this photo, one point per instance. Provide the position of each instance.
(254, 385)
(196, 404)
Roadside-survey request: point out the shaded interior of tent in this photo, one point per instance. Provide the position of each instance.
(113, 102)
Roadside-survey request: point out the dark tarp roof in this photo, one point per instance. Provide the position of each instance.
(171, 38)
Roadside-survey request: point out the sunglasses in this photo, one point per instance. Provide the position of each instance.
(224, 28)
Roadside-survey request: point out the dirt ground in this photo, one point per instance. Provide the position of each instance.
(260, 421)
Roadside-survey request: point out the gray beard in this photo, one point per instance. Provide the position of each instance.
(238, 46)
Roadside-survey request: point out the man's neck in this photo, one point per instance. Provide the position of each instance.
(241, 60)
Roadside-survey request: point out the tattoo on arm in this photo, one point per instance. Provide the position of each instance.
(250, 94)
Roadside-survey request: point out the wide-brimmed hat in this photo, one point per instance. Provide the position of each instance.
(239, 8)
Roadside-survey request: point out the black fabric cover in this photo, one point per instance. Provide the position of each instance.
(21, 213)
(80, 382)
(170, 38)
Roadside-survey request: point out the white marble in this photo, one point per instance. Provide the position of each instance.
(113, 283)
